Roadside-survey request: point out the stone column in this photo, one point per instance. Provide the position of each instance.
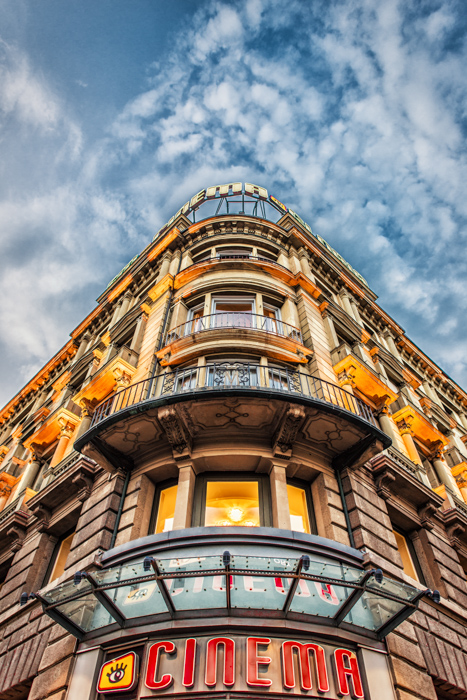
(392, 347)
(187, 260)
(86, 418)
(346, 301)
(407, 436)
(355, 310)
(30, 474)
(66, 431)
(329, 326)
(463, 419)
(346, 382)
(167, 257)
(82, 347)
(263, 372)
(444, 473)
(387, 426)
(174, 264)
(283, 259)
(185, 496)
(127, 299)
(305, 264)
(294, 264)
(116, 313)
(279, 497)
(138, 335)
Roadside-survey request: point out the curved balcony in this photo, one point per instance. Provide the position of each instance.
(232, 377)
(196, 337)
(234, 319)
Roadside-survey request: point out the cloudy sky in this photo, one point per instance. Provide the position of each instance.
(114, 112)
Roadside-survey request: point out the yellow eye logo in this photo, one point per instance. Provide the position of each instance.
(119, 674)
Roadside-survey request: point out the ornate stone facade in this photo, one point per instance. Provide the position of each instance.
(235, 349)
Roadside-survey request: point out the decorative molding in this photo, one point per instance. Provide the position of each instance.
(288, 429)
(176, 431)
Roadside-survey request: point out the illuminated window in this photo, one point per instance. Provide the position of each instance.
(298, 508)
(227, 501)
(410, 564)
(166, 509)
(232, 503)
(60, 554)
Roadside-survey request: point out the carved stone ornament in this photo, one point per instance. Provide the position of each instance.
(383, 483)
(426, 513)
(454, 532)
(17, 533)
(43, 516)
(175, 430)
(288, 429)
(84, 482)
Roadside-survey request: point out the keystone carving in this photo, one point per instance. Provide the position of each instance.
(288, 429)
(383, 484)
(176, 431)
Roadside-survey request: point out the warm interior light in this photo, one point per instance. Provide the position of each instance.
(236, 514)
(232, 503)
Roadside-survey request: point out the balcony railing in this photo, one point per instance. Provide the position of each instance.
(232, 375)
(234, 319)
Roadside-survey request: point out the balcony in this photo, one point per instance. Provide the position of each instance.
(195, 337)
(231, 377)
(364, 376)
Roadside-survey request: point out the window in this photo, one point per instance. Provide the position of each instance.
(232, 500)
(233, 252)
(299, 508)
(233, 312)
(272, 317)
(59, 556)
(410, 564)
(166, 509)
(194, 322)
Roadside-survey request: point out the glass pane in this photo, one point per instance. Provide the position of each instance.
(165, 514)
(138, 599)
(86, 612)
(64, 590)
(298, 508)
(316, 598)
(372, 611)
(232, 503)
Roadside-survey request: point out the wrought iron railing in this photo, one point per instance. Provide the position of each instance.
(232, 375)
(234, 319)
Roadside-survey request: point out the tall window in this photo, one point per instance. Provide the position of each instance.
(165, 509)
(59, 556)
(410, 563)
(233, 312)
(302, 517)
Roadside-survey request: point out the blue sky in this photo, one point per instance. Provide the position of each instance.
(114, 112)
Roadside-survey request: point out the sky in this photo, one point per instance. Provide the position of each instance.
(113, 113)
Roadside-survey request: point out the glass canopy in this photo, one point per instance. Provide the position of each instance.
(301, 588)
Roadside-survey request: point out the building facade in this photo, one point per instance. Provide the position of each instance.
(238, 478)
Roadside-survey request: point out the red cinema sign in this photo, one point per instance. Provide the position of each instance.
(255, 663)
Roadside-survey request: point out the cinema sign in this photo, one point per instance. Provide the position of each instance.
(253, 665)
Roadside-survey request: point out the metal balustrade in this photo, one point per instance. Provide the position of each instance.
(234, 319)
(232, 375)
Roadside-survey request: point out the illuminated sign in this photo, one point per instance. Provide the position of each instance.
(118, 674)
(260, 193)
(238, 664)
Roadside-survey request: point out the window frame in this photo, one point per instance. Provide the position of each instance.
(413, 555)
(55, 554)
(306, 486)
(160, 486)
(264, 495)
